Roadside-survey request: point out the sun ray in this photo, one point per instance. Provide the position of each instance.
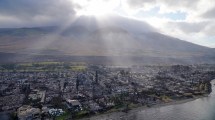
(96, 7)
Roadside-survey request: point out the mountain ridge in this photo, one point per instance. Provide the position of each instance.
(110, 39)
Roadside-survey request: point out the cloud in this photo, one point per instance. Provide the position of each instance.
(185, 19)
(188, 28)
(191, 20)
(210, 14)
(209, 29)
(140, 3)
(35, 12)
(165, 5)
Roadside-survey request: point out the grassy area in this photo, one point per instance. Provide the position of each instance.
(132, 105)
(65, 116)
(166, 98)
(48, 63)
(78, 68)
(116, 108)
(25, 64)
(43, 66)
(81, 114)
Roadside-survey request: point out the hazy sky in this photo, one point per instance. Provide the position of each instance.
(191, 20)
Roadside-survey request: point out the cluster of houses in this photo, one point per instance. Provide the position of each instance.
(51, 94)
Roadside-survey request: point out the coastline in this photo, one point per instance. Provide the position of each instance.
(141, 108)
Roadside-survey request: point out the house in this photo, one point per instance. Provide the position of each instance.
(73, 105)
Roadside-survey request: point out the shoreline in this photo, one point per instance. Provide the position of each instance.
(141, 108)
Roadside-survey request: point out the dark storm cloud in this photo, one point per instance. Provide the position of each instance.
(35, 12)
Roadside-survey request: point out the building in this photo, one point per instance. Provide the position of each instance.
(28, 113)
(73, 105)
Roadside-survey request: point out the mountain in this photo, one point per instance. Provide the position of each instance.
(112, 39)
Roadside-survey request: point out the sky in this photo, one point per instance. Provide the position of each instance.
(190, 20)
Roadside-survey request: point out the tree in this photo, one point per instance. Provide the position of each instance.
(8, 66)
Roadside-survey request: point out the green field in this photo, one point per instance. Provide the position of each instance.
(43, 66)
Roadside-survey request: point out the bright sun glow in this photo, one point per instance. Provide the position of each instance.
(96, 7)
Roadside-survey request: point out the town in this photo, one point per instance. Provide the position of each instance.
(56, 90)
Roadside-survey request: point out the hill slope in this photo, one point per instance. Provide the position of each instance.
(116, 39)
